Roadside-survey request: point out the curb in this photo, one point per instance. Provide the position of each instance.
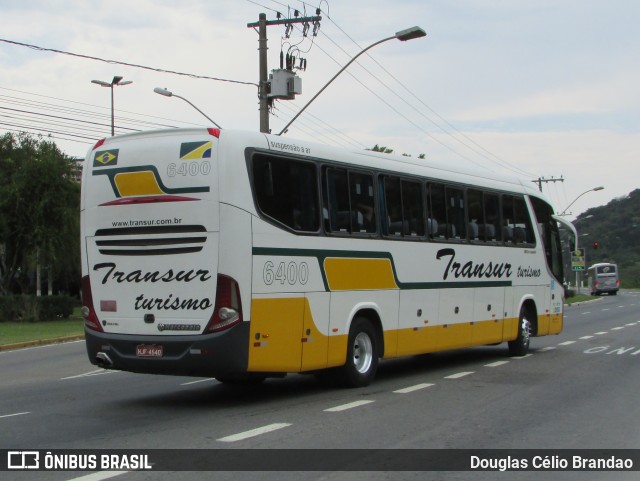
(40, 342)
(583, 302)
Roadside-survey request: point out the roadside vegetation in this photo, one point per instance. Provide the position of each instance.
(21, 332)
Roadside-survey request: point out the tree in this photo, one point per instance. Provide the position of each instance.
(384, 150)
(39, 207)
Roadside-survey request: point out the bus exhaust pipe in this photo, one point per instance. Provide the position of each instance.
(103, 360)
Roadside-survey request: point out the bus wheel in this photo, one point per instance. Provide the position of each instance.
(520, 346)
(362, 355)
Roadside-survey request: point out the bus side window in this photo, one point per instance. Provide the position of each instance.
(286, 191)
(493, 231)
(393, 221)
(438, 211)
(363, 211)
(507, 219)
(456, 227)
(476, 215)
(413, 208)
(336, 197)
(523, 230)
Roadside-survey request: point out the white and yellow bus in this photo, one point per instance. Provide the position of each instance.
(242, 255)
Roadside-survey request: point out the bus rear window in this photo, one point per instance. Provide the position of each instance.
(610, 269)
(286, 190)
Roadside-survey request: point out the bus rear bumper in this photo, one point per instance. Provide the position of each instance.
(192, 355)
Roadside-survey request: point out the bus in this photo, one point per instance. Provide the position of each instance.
(603, 278)
(242, 256)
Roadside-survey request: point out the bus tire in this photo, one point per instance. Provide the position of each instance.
(362, 355)
(520, 346)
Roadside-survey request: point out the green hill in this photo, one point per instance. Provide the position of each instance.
(615, 228)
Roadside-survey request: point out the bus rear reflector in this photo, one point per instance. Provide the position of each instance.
(228, 310)
(214, 132)
(88, 312)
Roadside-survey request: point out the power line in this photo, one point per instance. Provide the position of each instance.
(60, 118)
(106, 109)
(126, 64)
(393, 108)
(471, 144)
(497, 159)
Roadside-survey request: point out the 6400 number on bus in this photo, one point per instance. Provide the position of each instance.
(291, 273)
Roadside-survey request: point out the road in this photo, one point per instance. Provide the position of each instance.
(577, 390)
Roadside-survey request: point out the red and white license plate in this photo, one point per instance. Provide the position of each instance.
(146, 350)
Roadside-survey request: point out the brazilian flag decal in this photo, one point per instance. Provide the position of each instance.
(105, 158)
(196, 150)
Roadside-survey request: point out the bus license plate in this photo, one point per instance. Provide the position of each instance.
(145, 350)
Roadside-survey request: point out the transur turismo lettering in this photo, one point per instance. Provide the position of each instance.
(138, 276)
(171, 303)
(528, 272)
(470, 270)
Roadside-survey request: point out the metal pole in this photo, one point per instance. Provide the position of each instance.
(112, 114)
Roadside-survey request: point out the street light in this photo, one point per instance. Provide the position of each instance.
(116, 81)
(564, 212)
(168, 93)
(582, 218)
(403, 35)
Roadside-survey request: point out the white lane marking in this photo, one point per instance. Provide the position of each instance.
(606, 309)
(14, 414)
(631, 324)
(458, 375)
(496, 364)
(99, 476)
(344, 407)
(601, 333)
(254, 432)
(548, 348)
(196, 382)
(97, 372)
(413, 388)
(566, 343)
(585, 313)
(586, 337)
(617, 328)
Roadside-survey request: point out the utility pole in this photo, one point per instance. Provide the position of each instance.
(264, 85)
(263, 88)
(540, 180)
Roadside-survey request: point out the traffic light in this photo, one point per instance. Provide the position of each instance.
(596, 244)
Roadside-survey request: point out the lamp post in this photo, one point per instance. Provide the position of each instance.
(116, 81)
(564, 212)
(168, 93)
(403, 35)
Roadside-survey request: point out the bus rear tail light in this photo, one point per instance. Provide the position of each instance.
(88, 312)
(228, 310)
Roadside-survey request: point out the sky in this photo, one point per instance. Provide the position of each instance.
(535, 88)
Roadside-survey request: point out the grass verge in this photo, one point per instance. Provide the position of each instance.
(16, 332)
(579, 298)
